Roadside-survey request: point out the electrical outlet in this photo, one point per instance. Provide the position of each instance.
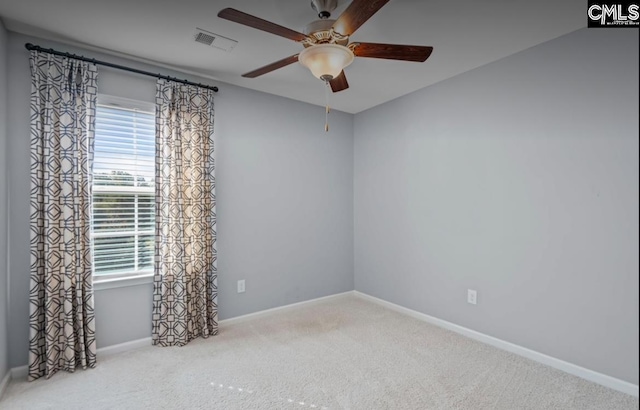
(472, 296)
(241, 286)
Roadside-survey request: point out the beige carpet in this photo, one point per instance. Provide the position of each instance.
(344, 353)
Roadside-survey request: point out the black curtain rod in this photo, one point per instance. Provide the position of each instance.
(30, 46)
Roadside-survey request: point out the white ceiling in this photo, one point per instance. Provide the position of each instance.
(465, 34)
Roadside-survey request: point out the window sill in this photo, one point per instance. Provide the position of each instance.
(122, 282)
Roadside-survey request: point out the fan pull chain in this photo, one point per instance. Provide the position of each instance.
(326, 115)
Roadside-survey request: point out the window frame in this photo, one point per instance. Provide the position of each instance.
(134, 277)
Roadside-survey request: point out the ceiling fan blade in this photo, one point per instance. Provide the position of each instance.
(260, 24)
(339, 83)
(358, 12)
(271, 67)
(392, 51)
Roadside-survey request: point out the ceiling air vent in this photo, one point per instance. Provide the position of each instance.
(214, 40)
(204, 38)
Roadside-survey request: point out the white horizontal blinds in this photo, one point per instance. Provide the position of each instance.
(124, 148)
(123, 192)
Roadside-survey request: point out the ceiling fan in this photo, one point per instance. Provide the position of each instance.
(327, 49)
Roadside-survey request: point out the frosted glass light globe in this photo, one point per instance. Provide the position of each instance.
(326, 61)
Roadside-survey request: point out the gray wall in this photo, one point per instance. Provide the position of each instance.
(285, 202)
(518, 179)
(4, 294)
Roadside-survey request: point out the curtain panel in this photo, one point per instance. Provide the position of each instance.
(61, 317)
(185, 279)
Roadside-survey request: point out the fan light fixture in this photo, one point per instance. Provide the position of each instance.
(326, 61)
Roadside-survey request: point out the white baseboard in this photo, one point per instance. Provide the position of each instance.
(21, 372)
(311, 302)
(4, 383)
(18, 373)
(593, 376)
(136, 344)
(620, 385)
(124, 347)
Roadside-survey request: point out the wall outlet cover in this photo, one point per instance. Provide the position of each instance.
(472, 296)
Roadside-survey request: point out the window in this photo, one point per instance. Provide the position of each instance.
(122, 229)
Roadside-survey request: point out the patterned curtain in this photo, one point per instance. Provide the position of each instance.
(185, 282)
(62, 325)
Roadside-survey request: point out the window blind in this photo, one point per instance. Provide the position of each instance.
(123, 192)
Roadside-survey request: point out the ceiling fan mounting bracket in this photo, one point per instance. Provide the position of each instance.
(324, 7)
